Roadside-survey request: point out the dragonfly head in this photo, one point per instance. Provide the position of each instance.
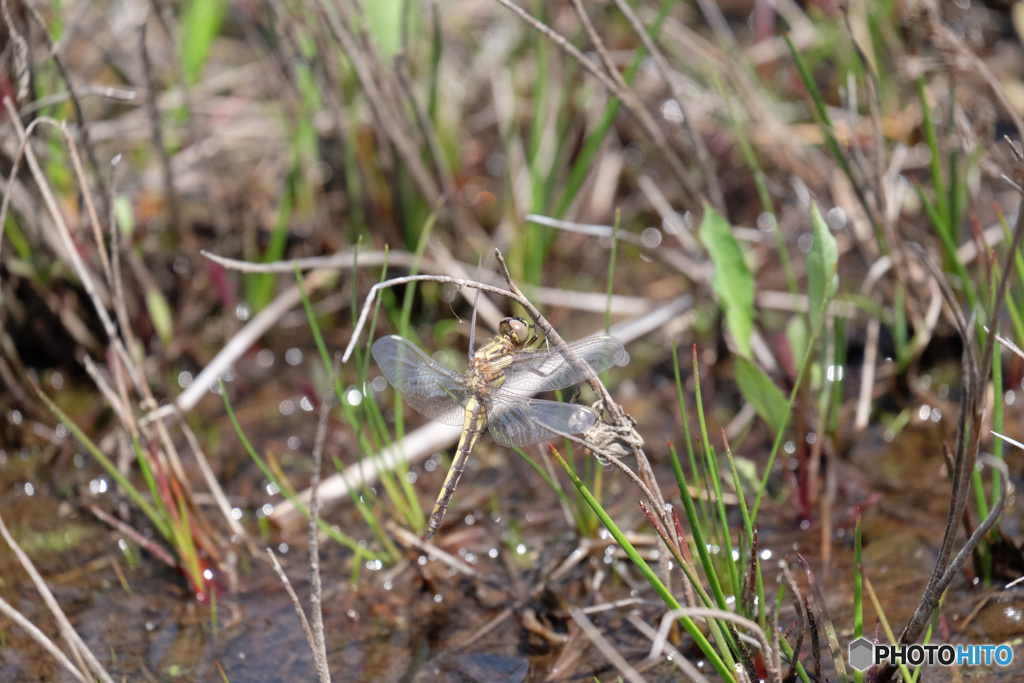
(522, 333)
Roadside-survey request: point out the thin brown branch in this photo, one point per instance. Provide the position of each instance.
(425, 126)
(37, 635)
(707, 165)
(386, 113)
(87, 660)
(967, 445)
(64, 234)
(283, 578)
(315, 586)
(605, 647)
(156, 130)
(618, 415)
(83, 126)
(624, 95)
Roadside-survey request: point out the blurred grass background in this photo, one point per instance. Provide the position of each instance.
(772, 160)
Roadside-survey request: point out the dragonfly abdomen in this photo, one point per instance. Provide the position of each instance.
(486, 374)
(473, 426)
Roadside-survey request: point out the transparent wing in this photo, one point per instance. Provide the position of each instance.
(432, 389)
(550, 369)
(516, 421)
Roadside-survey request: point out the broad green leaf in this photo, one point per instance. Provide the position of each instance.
(822, 281)
(732, 280)
(767, 399)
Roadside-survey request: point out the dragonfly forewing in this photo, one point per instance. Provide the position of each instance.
(564, 366)
(431, 388)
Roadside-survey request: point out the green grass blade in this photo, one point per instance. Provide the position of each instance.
(584, 162)
(702, 643)
(715, 479)
(156, 519)
(804, 365)
(436, 48)
(384, 22)
(555, 486)
(700, 543)
(884, 621)
(400, 494)
(677, 468)
(748, 526)
(1013, 303)
(410, 289)
(824, 120)
(201, 22)
(935, 162)
(285, 489)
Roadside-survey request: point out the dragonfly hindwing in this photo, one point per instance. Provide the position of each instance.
(524, 421)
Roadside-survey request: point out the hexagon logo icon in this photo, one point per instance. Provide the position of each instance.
(861, 654)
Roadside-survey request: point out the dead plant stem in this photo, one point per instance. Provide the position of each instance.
(971, 414)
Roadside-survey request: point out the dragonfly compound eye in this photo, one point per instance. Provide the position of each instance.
(519, 331)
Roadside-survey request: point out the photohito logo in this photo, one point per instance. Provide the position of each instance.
(864, 654)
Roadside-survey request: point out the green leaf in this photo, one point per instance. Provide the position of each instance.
(385, 22)
(732, 280)
(767, 399)
(125, 215)
(798, 336)
(202, 21)
(822, 281)
(160, 314)
(746, 472)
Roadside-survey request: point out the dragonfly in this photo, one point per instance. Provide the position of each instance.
(496, 391)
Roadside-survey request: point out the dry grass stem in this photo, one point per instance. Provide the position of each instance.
(315, 587)
(411, 540)
(286, 582)
(691, 672)
(681, 99)
(605, 647)
(157, 129)
(87, 663)
(623, 94)
(238, 345)
(771, 656)
(618, 304)
(37, 635)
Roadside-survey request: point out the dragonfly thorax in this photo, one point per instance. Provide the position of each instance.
(488, 365)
